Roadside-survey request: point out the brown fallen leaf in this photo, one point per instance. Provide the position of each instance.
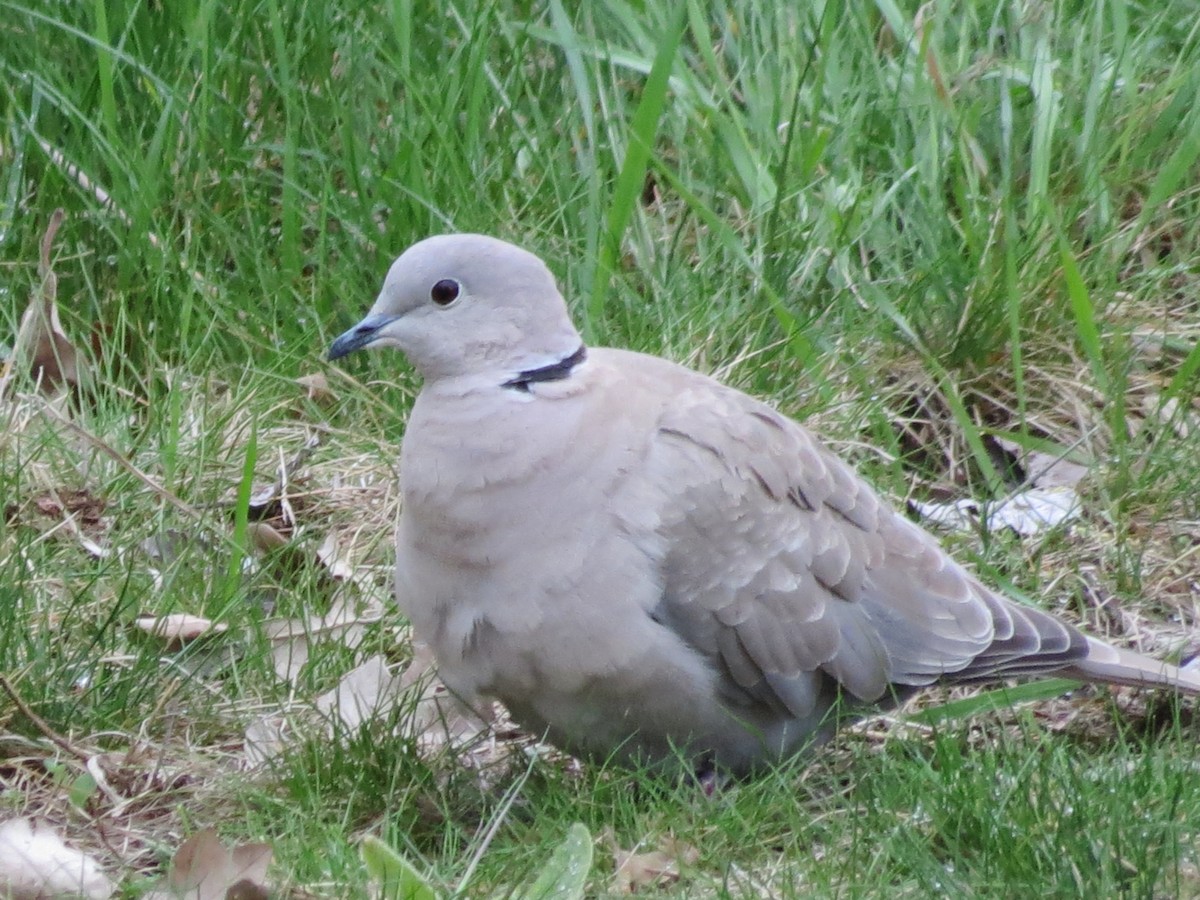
(42, 347)
(352, 603)
(277, 554)
(264, 537)
(653, 869)
(439, 718)
(86, 508)
(267, 737)
(366, 692)
(434, 717)
(73, 511)
(287, 558)
(291, 639)
(1027, 513)
(330, 556)
(203, 869)
(36, 864)
(177, 629)
(316, 388)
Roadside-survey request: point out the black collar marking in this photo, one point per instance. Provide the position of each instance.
(553, 372)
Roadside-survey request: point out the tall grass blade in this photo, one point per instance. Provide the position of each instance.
(1087, 329)
(632, 176)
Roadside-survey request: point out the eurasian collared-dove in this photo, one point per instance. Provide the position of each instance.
(637, 559)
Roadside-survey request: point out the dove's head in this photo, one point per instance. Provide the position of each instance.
(466, 304)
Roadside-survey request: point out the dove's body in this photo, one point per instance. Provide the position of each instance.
(553, 511)
(635, 558)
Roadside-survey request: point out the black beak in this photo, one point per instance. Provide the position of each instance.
(361, 335)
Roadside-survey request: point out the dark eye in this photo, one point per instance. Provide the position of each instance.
(444, 292)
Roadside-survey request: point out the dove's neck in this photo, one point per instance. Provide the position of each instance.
(516, 375)
(556, 370)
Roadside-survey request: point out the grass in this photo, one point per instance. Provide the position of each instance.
(918, 229)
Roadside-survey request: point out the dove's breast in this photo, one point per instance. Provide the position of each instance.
(504, 512)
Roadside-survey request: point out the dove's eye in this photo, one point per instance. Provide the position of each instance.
(444, 292)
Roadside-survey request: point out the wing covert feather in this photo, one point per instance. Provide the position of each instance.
(781, 562)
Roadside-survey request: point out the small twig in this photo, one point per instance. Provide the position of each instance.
(278, 489)
(41, 724)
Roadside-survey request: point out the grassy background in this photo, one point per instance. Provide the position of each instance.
(916, 227)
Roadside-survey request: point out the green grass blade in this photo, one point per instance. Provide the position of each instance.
(1041, 149)
(104, 68)
(1178, 167)
(570, 42)
(624, 59)
(565, 874)
(289, 199)
(993, 700)
(628, 189)
(396, 877)
(1087, 328)
(12, 182)
(993, 482)
(1183, 380)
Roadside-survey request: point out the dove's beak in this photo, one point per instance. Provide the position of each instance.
(364, 334)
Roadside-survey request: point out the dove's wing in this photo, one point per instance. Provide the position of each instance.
(782, 561)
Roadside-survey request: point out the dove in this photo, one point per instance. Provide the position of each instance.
(645, 564)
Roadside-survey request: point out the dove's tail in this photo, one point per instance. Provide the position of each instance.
(1112, 665)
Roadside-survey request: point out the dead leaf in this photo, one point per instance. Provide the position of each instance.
(1170, 412)
(1046, 471)
(291, 639)
(330, 556)
(1043, 470)
(286, 559)
(656, 868)
(265, 738)
(42, 347)
(271, 501)
(439, 718)
(365, 692)
(1027, 513)
(36, 864)
(80, 505)
(98, 551)
(316, 388)
(76, 511)
(203, 869)
(177, 629)
(352, 605)
(264, 537)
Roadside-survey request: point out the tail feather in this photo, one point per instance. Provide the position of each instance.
(1113, 665)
